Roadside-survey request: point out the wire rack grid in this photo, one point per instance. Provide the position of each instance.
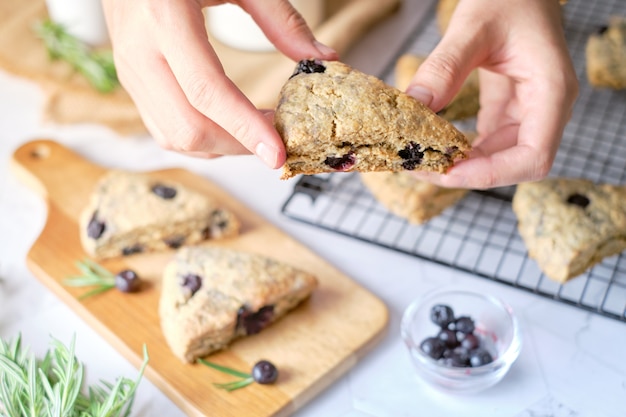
(479, 234)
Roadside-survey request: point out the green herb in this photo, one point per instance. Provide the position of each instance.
(243, 381)
(95, 65)
(92, 274)
(53, 386)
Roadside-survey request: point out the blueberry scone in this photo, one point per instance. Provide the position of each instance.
(130, 213)
(568, 225)
(464, 105)
(211, 296)
(606, 55)
(332, 117)
(407, 197)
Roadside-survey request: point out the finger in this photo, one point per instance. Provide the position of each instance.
(169, 117)
(199, 73)
(285, 27)
(496, 94)
(441, 75)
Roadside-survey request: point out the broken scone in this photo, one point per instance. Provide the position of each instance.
(211, 296)
(332, 117)
(568, 225)
(131, 212)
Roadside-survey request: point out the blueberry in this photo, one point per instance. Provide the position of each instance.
(252, 322)
(441, 315)
(127, 281)
(433, 347)
(412, 156)
(480, 357)
(463, 324)
(264, 372)
(341, 163)
(578, 200)
(191, 282)
(459, 358)
(448, 337)
(470, 341)
(174, 242)
(163, 191)
(95, 228)
(130, 250)
(308, 66)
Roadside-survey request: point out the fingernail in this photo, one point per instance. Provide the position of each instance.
(421, 94)
(325, 50)
(267, 154)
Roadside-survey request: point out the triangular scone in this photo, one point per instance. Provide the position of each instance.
(407, 197)
(568, 225)
(332, 117)
(210, 296)
(130, 213)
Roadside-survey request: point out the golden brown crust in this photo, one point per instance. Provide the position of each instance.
(345, 120)
(569, 225)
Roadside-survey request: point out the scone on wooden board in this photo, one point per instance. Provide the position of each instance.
(568, 224)
(332, 117)
(606, 55)
(130, 212)
(210, 296)
(463, 105)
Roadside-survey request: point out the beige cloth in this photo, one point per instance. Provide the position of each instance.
(70, 99)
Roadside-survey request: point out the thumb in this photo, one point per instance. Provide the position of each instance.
(285, 27)
(439, 78)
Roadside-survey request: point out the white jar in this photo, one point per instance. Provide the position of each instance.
(83, 19)
(234, 27)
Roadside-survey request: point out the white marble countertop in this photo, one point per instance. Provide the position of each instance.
(573, 363)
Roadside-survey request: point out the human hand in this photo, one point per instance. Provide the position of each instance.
(527, 88)
(166, 63)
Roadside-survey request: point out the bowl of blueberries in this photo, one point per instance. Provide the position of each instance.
(461, 341)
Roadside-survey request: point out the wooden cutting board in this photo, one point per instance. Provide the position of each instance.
(311, 347)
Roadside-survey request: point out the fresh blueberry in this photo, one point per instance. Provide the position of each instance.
(433, 347)
(441, 315)
(127, 281)
(264, 372)
(448, 337)
(463, 324)
(480, 357)
(470, 341)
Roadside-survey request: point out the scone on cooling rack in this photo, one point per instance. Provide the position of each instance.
(210, 296)
(568, 224)
(462, 106)
(131, 212)
(606, 55)
(332, 117)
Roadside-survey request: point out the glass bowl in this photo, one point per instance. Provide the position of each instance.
(495, 326)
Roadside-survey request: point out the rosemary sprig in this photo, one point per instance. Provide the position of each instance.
(243, 381)
(53, 386)
(92, 274)
(96, 66)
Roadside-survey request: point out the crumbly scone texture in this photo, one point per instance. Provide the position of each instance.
(210, 296)
(131, 212)
(606, 55)
(463, 105)
(568, 224)
(344, 120)
(407, 197)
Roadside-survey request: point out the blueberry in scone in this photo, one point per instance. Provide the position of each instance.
(132, 213)
(211, 296)
(606, 55)
(568, 224)
(332, 117)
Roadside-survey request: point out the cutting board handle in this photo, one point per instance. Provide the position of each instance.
(45, 165)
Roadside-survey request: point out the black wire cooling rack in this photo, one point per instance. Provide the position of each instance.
(479, 234)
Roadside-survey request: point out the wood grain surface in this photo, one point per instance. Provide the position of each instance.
(312, 346)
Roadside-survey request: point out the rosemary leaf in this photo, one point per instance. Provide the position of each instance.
(96, 66)
(224, 369)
